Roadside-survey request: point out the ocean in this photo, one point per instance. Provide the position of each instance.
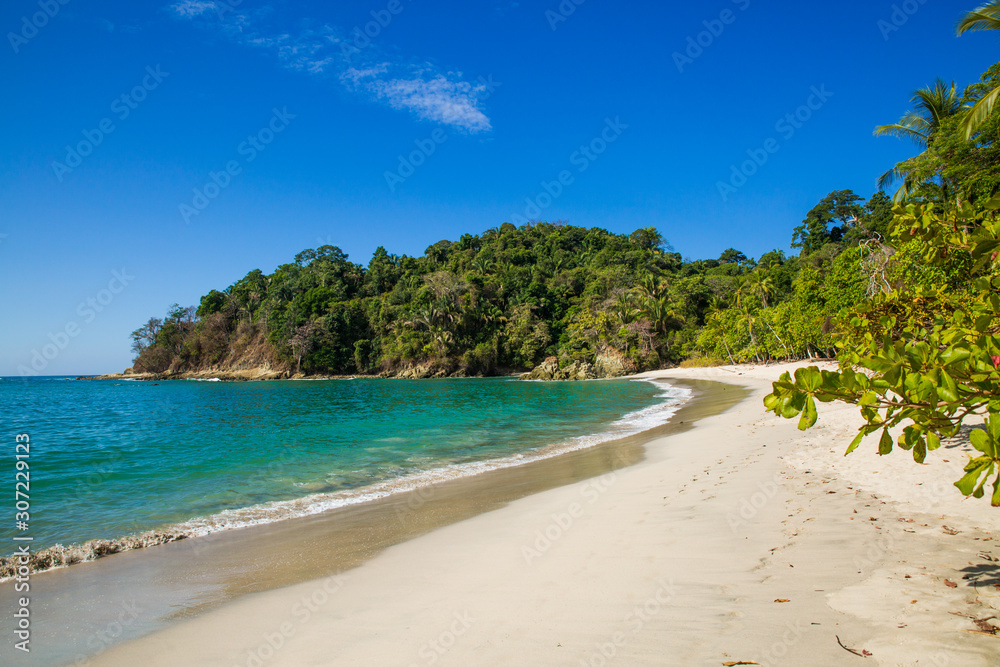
(111, 459)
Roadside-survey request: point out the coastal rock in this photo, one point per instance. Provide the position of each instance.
(549, 370)
(613, 365)
(546, 370)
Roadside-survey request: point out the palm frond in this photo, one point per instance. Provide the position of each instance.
(902, 131)
(980, 112)
(894, 175)
(938, 102)
(986, 17)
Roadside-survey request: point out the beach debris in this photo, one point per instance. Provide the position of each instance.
(986, 556)
(739, 662)
(980, 632)
(950, 584)
(949, 531)
(984, 627)
(862, 653)
(988, 628)
(782, 600)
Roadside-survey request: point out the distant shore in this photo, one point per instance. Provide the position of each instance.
(740, 539)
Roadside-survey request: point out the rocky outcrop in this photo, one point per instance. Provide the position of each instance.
(613, 365)
(550, 370)
(608, 364)
(241, 375)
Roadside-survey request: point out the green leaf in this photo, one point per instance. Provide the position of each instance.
(933, 441)
(791, 406)
(885, 444)
(809, 415)
(947, 389)
(856, 442)
(868, 398)
(955, 354)
(809, 378)
(981, 440)
(967, 485)
(985, 248)
(920, 451)
(995, 500)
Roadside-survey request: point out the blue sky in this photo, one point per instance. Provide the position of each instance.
(300, 120)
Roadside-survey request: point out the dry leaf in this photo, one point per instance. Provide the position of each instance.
(950, 584)
(782, 600)
(986, 627)
(740, 662)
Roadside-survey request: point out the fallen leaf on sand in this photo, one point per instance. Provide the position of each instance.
(950, 584)
(988, 628)
(782, 600)
(949, 531)
(740, 662)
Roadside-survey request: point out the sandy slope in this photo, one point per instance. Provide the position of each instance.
(679, 560)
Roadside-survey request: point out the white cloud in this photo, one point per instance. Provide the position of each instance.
(191, 8)
(425, 92)
(441, 98)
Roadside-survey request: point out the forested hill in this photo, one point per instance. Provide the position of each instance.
(508, 299)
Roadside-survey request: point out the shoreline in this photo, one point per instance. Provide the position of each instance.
(56, 556)
(234, 563)
(738, 539)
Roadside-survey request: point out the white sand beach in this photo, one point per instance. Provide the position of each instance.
(741, 539)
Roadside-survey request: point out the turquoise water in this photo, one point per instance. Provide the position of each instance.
(113, 458)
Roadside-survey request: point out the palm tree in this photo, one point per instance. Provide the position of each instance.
(932, 105)
(986, 17)
(762, 286)
(624, 308)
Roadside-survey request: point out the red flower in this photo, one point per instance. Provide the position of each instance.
(996, 361)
